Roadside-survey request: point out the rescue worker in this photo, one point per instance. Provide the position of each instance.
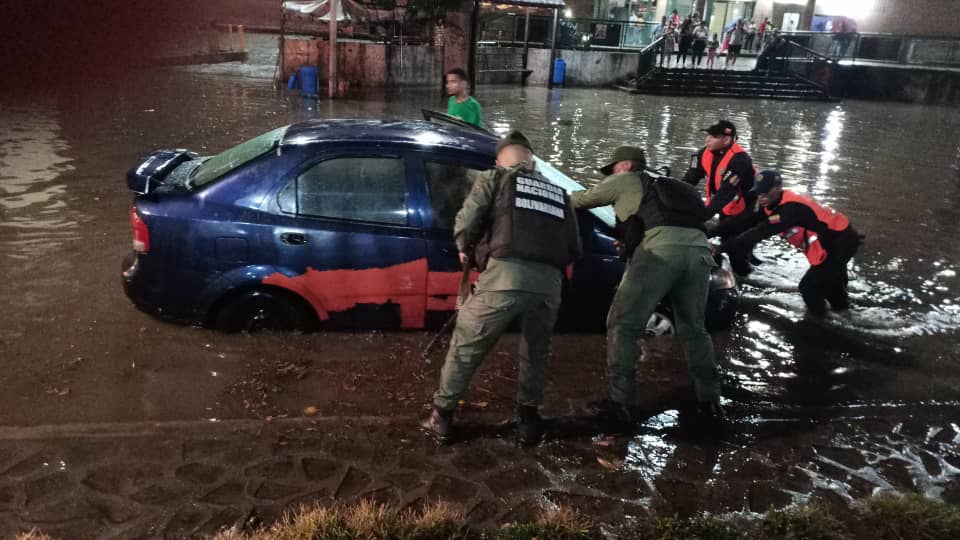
(824, 235)
(522, 233)
(729, 174)
(664, 242)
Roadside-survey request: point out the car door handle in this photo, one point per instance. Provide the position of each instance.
(294, 239)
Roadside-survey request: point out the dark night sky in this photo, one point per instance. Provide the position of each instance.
(45, 41)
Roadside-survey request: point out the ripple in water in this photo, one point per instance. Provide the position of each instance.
(32, 195)
(880, 309)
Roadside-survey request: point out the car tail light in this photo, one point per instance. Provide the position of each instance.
(141, 236)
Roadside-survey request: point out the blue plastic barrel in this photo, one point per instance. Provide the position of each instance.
(559, 71)
(308, 81)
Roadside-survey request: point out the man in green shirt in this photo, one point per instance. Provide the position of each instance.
(461, 104)
(522, 233)
(673, 261)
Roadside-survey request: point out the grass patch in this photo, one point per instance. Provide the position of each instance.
(909, 517)
(699, 527)
(561, 524)
(806, 522)
(32, 535)
(365, 520)
(883, 517)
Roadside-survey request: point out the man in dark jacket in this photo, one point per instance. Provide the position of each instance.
(824, 235)
(729, 175)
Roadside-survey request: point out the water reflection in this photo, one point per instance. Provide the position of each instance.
(32, 192)
(832, 131)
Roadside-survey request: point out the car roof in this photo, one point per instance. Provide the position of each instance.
(412, 132)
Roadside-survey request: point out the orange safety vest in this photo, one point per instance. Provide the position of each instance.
(737, 205)
(805, 240)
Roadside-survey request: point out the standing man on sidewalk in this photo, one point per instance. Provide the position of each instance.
(737, 36)
(523, 234)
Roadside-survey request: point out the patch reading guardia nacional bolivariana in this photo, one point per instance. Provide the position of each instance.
(540, 196)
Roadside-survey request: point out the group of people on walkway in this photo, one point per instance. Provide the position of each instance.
(520, 231)
(691, 38)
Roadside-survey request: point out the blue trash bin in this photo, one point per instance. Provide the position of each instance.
(308, 81)
(559, 71)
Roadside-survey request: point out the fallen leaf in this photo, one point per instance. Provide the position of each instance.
(609, 465)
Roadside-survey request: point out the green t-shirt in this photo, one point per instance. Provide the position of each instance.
(468, 111)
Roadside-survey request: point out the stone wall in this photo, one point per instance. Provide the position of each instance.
(877, 83)
(361, 64)
(596, 68)
(456, 41)
(919, 17)
(583, 68)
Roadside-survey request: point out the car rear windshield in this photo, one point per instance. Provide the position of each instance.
(226, 161)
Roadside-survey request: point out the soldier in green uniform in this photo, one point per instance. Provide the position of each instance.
(522, 233)
(660, 227)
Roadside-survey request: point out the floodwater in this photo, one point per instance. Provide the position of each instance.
(852, 404)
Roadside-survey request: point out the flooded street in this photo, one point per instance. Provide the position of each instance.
(839, 408)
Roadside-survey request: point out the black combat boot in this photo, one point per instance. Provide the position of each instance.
(440, 424)
(616, 418)
(529, 425)
(710, 412)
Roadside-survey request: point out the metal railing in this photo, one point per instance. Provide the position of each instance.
(572, 33)
(882, 48)
(647, 60)
(790, 57)
(810, 65)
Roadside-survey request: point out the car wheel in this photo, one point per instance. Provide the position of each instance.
(660, 324)
(258, 310)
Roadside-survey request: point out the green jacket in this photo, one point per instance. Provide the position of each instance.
(508, 274)
(625, 192)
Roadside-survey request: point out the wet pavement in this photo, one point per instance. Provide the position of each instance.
(831, 409)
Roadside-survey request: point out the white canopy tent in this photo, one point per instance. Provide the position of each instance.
(317, 9)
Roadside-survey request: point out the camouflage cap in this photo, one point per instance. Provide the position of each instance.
(514, 137)
(624, 153)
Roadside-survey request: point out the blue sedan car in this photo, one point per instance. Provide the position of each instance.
(336, 223)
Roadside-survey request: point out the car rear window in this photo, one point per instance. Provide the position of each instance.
(228, 160)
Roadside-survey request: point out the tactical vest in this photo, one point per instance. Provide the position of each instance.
(528, 222)
(666, 202)
(715, 177)
(806, 240)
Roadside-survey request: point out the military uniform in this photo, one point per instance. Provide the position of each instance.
(672, 262)
(523, 232)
